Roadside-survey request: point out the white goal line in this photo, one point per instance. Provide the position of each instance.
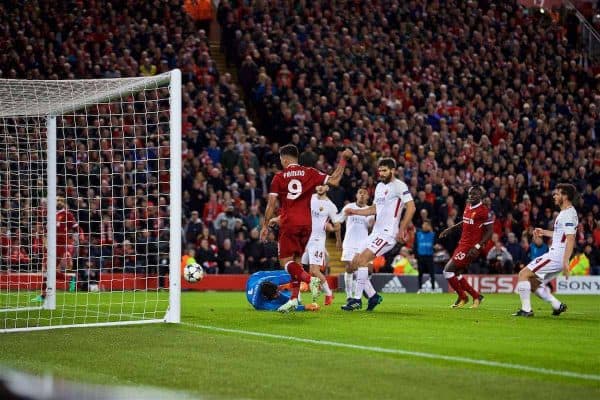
(375, 349)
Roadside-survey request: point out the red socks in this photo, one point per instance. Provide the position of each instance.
(297, 272)
(468, 288)
(457, 286)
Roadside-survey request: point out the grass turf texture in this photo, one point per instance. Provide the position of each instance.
(193, 358)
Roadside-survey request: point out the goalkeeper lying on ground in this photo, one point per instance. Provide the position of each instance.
(268, 290)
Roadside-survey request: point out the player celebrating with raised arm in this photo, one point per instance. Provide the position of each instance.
(535, 276)
(477, 228)
(391, 197)
(293, 188)
(355, 239)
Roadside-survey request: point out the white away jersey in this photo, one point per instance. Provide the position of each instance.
(321, 210)
(565, 224)
(389, 200)
(357, 226)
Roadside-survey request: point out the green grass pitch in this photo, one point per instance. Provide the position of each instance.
(411, 346)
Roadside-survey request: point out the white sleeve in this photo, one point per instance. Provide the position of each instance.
(404, 192)
(571, 224)
(333, 212)
(340, 217)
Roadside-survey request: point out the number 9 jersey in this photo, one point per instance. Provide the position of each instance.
(294, 187)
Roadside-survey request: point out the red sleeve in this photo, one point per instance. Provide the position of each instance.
(276, 185)
(487, 216)
(316, 178)
(71, 220)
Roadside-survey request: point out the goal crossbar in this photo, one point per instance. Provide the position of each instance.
(23, 98)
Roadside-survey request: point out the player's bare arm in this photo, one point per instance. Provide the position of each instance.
(338, 235)
(365, 212)
(542, 232)
(487, 234)
(336, 176)
(269, 214)
(449, 229)
(329, 227)
(569, 245)
(409, 212)
(273, 222)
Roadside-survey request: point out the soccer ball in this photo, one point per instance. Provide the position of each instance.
(193, 273)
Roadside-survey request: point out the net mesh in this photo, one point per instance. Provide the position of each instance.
(112, 203)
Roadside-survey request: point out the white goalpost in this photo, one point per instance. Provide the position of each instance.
(90, 202)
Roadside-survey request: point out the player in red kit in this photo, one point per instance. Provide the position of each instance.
(66, 226)
(477, 228)
(293, 187)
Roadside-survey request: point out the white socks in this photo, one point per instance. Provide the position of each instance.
(363, 283)
(362, 276)
(543, 293)
(326, 289)
(349, 283)
(524, 289)
(369, 289)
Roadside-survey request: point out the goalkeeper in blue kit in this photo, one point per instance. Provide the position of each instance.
(269, 290)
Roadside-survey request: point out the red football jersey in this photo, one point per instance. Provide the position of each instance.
(474, 220)
(65, 224)
(294, 187)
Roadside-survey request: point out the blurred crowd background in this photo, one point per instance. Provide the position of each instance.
(457, 92)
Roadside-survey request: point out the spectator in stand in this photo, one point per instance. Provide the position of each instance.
(230, 262)
(270, 253)
(500, 261)
(253, 251)
(224, 233)
(193, 227)
(227, 216)
(537, 248)
(207, 257)
(518, 254)
(593, 254)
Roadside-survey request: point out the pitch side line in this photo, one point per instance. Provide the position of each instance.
(433, 356)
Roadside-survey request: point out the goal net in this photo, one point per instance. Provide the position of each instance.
(90, 202)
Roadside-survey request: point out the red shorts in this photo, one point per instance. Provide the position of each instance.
(293, 240)
(64, 251)
(460, 257)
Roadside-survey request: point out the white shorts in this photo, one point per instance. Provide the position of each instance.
(546, 267)
(380, 244)
(348, 252)
(315, 254)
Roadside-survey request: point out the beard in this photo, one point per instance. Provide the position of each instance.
(386, 179)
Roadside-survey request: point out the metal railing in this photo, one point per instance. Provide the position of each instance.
(589, 36)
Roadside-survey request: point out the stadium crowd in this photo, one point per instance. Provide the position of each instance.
(458, 93)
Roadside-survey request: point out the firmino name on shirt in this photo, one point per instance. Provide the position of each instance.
(290, 174)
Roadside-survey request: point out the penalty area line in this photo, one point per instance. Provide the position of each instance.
(375, 349)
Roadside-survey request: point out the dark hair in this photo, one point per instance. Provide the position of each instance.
(289, 150)
(568, 190)
(268, 289)
(387, 162)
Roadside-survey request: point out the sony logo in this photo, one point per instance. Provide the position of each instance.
(579, 285)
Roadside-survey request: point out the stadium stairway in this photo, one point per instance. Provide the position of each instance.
(336, 266)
